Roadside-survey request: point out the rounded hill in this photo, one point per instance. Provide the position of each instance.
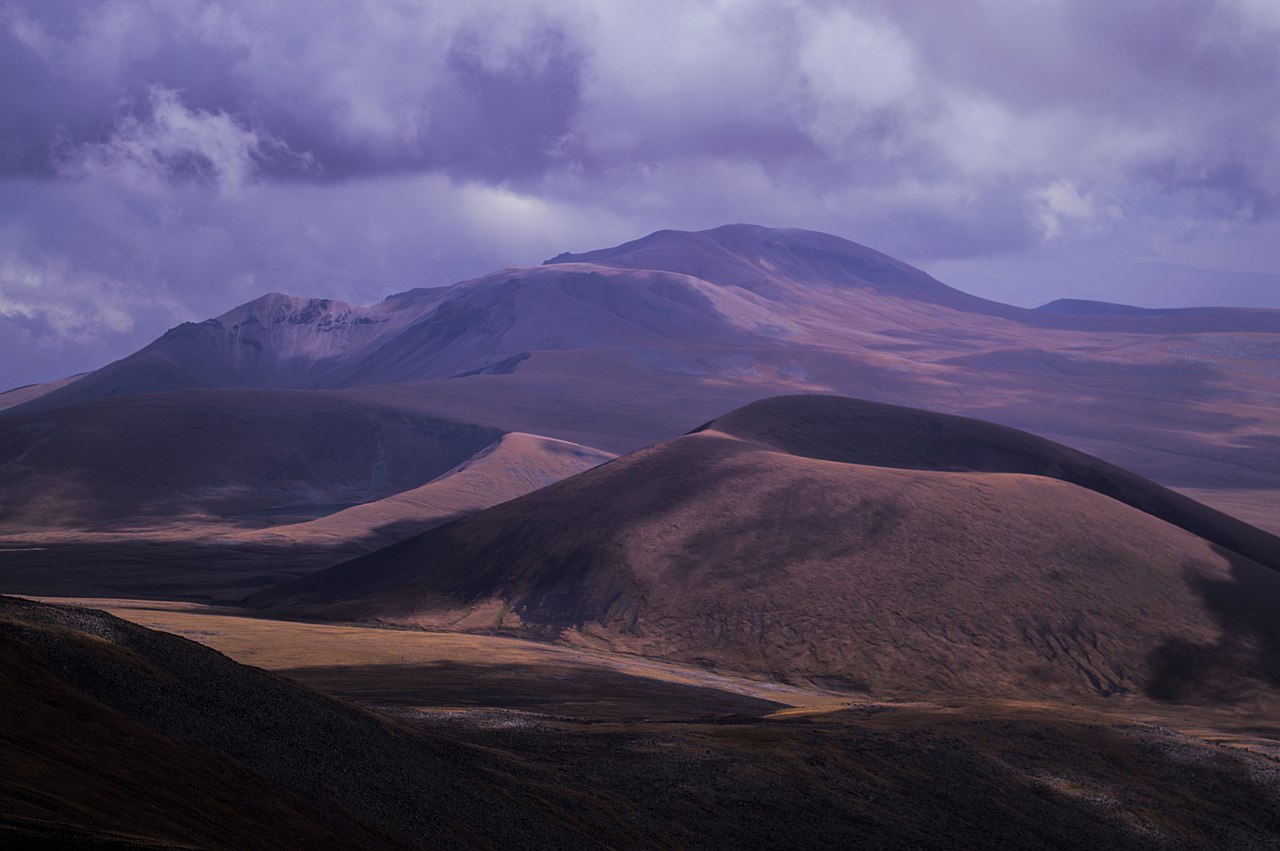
(847, 543)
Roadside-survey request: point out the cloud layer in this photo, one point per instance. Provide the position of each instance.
(168, 158)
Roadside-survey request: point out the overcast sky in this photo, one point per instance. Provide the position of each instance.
(164, 160)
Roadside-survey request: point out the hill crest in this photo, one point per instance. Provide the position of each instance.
(720, 548)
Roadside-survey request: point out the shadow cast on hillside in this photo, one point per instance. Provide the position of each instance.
(552, 688)
(156, 569)
(1247, 610)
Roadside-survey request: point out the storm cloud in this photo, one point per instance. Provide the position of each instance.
(163, 160)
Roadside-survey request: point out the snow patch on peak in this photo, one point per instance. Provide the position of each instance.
(278, 308)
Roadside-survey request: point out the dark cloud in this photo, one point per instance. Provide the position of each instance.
(168, 158)
(366, 89)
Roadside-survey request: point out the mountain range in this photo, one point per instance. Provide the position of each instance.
(614, 350)
(730, 538)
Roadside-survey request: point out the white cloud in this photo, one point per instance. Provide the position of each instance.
(657, 76)
(27, 32)
(852, 68)
(1062, 200)
(1263, 14)
(175, 144)
(56, 301)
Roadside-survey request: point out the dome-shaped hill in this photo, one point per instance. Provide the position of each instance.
(782, 263)
(741, 547)
(852, 431)
(768, 259)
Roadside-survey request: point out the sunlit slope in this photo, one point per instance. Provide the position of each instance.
(916, 554)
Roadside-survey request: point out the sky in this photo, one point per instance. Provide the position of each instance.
(164, 160)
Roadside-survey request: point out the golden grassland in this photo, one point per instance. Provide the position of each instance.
(421, 673)
(118, 734)
(398, 667)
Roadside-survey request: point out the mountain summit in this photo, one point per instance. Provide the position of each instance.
(737, 286)
(621, 347)
(759, 259)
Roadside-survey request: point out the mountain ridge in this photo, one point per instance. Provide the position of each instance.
(616, 358)
(723, 550)
(297, 342)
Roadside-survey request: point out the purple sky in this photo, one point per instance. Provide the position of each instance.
(164, 160)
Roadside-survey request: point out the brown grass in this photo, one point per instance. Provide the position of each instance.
(728, 553)
(432, 670)
(930, 774)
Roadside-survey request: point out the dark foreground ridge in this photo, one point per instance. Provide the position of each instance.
(112, 730)
(114, 736)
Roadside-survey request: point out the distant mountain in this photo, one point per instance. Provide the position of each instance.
(208, 455)
(775, 262)
(827, 540)
(616, 349)
(1165, 319)
(21, 395)
(1087, 307)
(512, 466)
(767, 260)
(274, 341)
(732, 286)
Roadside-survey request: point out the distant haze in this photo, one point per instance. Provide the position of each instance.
(164, 160)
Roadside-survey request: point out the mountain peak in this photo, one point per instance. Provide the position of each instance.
(277, 308)
(770, 261)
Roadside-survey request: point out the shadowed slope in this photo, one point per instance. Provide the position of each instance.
(119, 737)
(513, 466)
(729, 547)
(115, 545)
(216, 453)
(273, 341)
(114, 729)
(487, 325)
(76, 773)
